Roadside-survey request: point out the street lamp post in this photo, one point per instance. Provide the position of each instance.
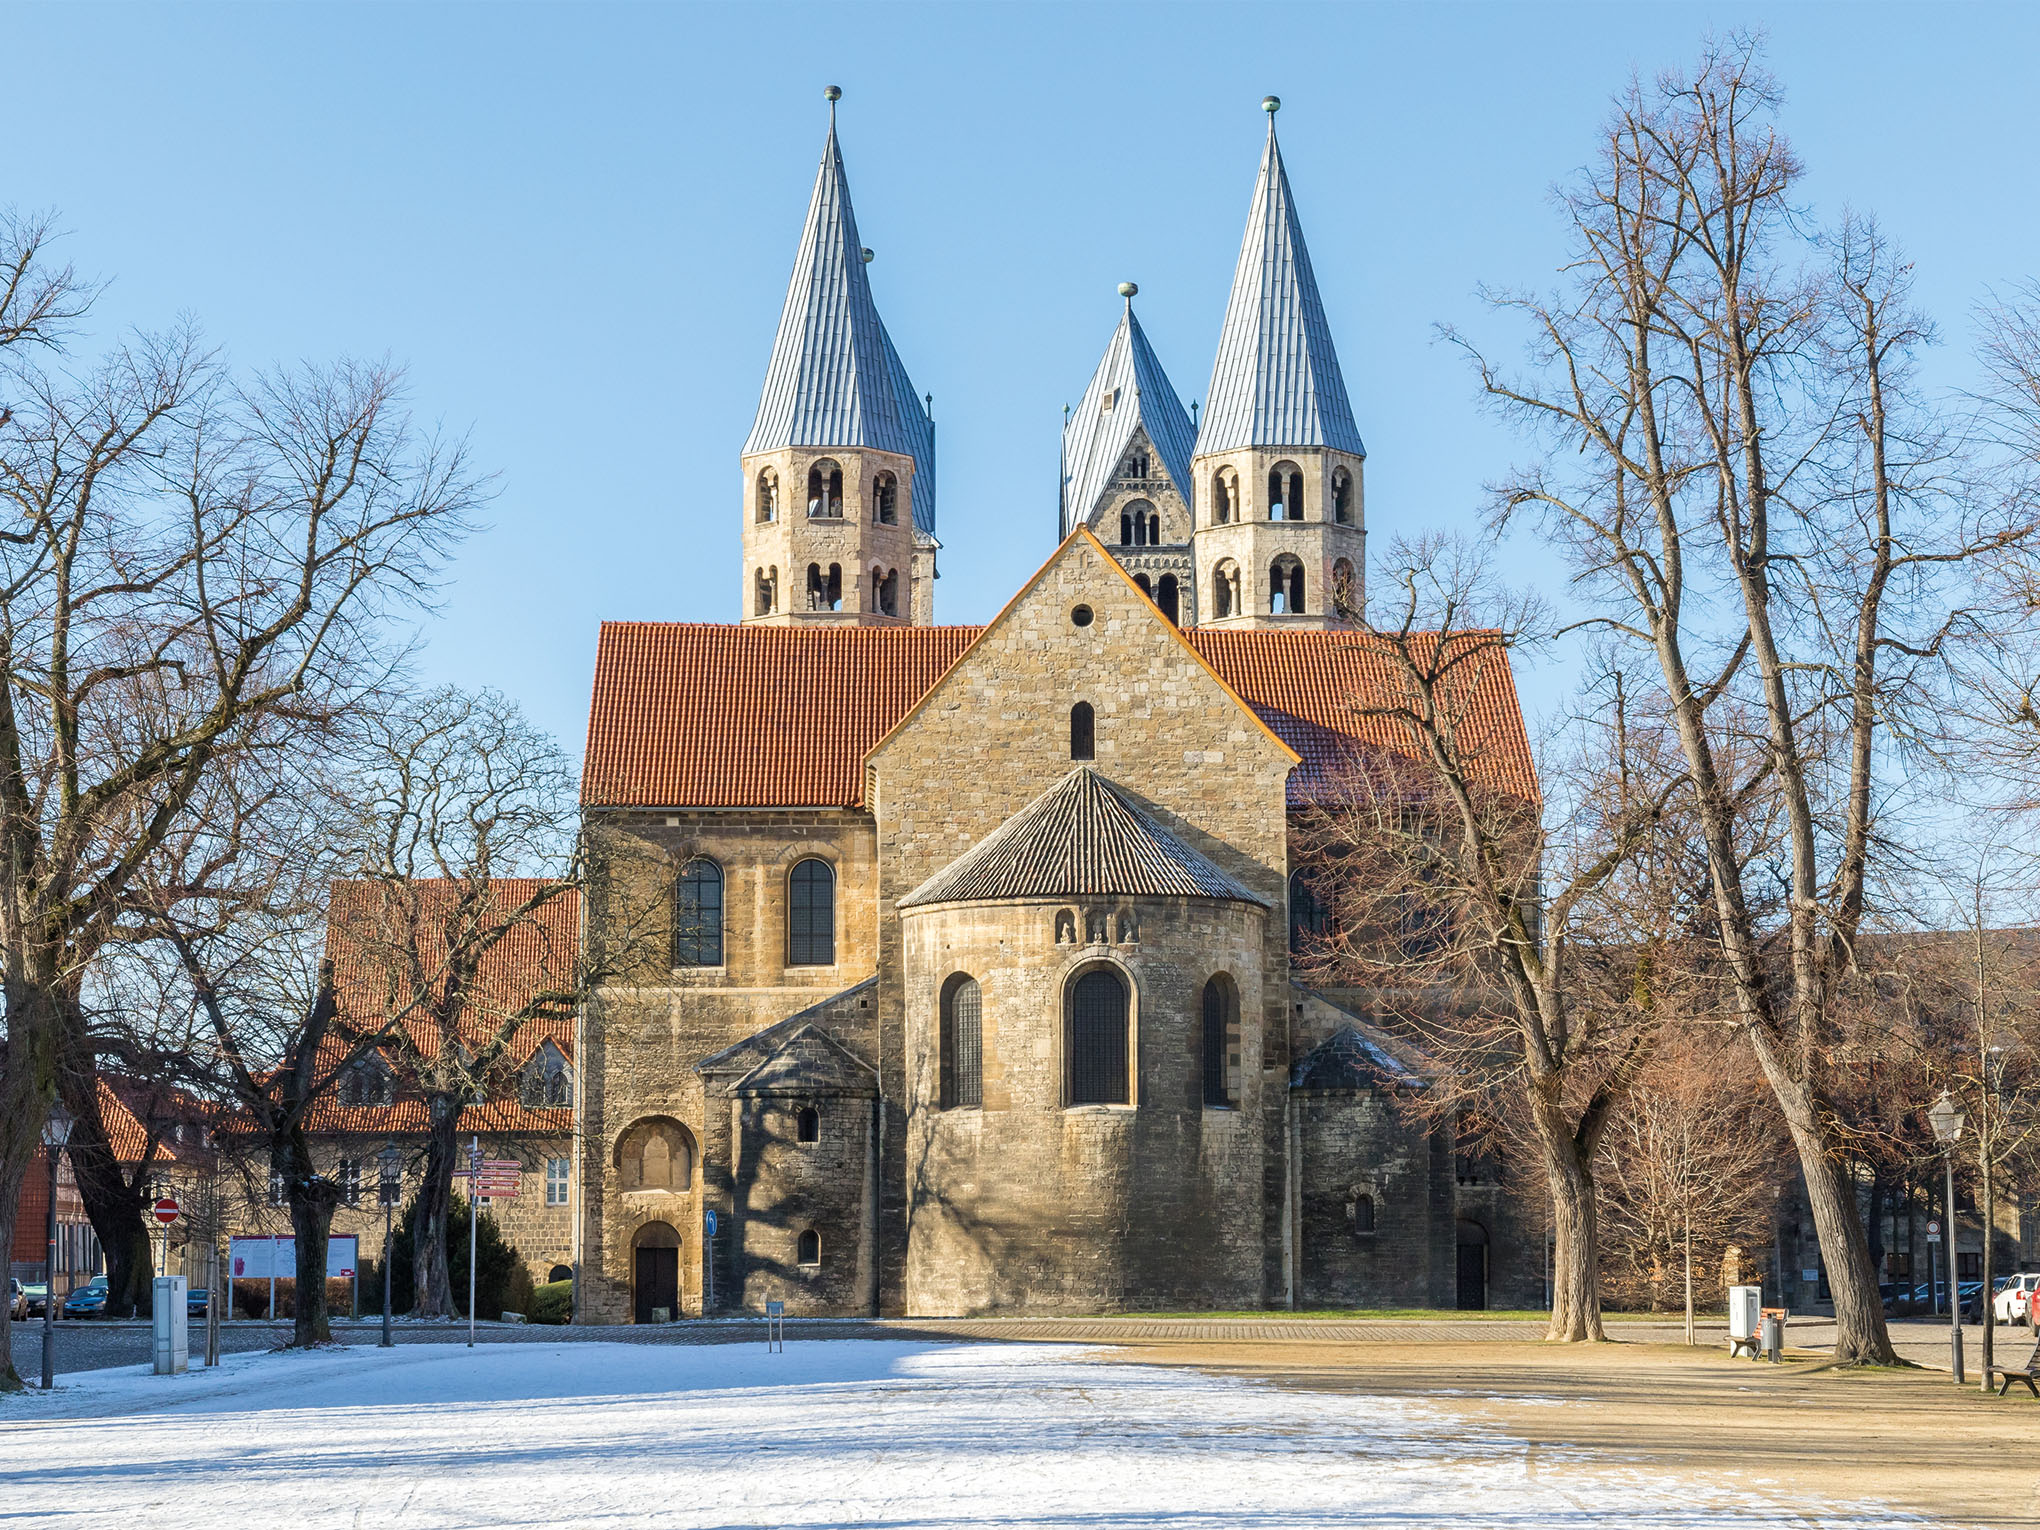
(56, 1133)
(1947, 1118)
(389, 1184)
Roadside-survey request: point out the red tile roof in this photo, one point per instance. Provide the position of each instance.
(537, 954)
(408, 1116)
(697, 715)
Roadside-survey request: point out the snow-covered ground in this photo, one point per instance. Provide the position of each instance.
(849, 1433)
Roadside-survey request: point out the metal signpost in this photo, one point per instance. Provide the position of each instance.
(708, 1261)
(212, 1300)
(166, 1211)
(775, 1327)
(389, 1185)
(488, 1179)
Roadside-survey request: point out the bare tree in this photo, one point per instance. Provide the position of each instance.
(1730, 411)
(188, 564)
(1690, 1165)
(1450, 894)
(459, 926)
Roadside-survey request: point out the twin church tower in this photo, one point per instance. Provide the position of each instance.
(1253, 518)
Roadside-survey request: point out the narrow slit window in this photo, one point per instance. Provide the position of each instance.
(1083, 732)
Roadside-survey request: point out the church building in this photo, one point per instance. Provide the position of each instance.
(971, 984)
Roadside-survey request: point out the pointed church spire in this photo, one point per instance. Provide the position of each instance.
(1276, 382)
(1129, 392)
(835, 379)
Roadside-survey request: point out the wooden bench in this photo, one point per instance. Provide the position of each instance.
(2028, 1374)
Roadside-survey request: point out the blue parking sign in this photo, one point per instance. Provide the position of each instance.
(708, 1221)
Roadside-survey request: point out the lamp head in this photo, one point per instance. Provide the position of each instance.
(57, 1129)
(1946, 1118)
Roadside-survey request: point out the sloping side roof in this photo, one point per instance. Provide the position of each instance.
(700, 715)
(1085, 835)
(1276, 381)
(834, 378)
(537, 955)
(1305, 685)
(718, 716)
(1095, 439)
(1347, 1060)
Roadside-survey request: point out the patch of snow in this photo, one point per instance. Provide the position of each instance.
(904, 1435)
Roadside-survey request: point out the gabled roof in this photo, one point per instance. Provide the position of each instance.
(693, 715)
(1350, 1060)
(809, 1061)
(835, 378)
(745, 1056)
(1276, 381)
(1084, 836)
(1096, 438)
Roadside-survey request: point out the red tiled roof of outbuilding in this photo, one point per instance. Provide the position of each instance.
(701, 715)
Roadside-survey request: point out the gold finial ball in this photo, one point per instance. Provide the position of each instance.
(1271, 104)
(832, 93)
(1128, 289)
(865, 254)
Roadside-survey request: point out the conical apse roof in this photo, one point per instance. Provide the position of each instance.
(1276, 382)
(835, 378)
(1085, 836)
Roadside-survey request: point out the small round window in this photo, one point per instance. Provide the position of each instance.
(1081, 616)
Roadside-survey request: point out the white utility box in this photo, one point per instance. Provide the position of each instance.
(172, 1321)
(1745, 1311)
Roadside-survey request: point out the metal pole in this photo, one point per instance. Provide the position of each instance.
(49, 1311)
(212, 1299)
(387, 1341)
(474, 1201)
(1954, 1300)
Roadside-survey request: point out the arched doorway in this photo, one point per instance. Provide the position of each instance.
(1473, 1266)
(655, 1274)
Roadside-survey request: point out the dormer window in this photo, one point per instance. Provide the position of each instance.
(547, 1078)
(366, 1081)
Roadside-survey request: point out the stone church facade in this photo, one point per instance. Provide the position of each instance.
(972, 987)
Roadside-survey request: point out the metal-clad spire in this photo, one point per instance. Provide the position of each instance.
(1095, 438)
(834, 378)
(1276, 382)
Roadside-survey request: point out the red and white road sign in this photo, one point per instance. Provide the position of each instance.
(166, 1210)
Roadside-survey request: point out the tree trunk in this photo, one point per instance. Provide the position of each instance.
(24, 1107)
(116, 1205)
(1989, 1221)
(1575, 1228)
(10, 1209)
(312, 1199)
(434, 1284)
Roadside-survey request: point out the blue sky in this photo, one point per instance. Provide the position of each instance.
(574, 226)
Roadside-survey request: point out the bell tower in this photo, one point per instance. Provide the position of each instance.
(1280, 537)
(839, 468)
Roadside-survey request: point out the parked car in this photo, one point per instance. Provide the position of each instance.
(37, 1294)
(196, 1300)
(2014, 1300)
(89, 1300)
(17, 1298)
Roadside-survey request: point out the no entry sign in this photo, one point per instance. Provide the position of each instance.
(166, 1210)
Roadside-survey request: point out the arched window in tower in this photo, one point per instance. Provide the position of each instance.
(768, 495)
(1222, 498)
(808, 1248)
(761, 597)
(1146, 588)
(1285, 492)
(889, 592)
(835, 588)
(885, 500)
(962, 1043)
(825, 490)
(1083, 739)
(1285, 586)
(1221, 1037)
(1098, 1039)
(811, 915)
(698, 915)
(1169, 599)
(1138, 524)
(1135, 466)
(817, 589)
(807, 1125)
(1345, 601)
(1225, 590)
(1342, 496)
